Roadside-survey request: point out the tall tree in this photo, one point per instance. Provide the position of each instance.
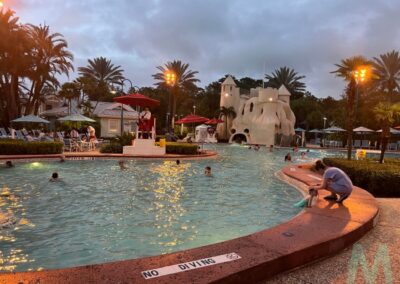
(346, 70)
(70, 91)
(387, 70)
(185, 81)
(15, 59)
(99, 75)
(288, 77)
(385, 113)
(50, 58)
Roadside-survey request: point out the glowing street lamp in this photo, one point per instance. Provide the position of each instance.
(359, 76)
(170, 79)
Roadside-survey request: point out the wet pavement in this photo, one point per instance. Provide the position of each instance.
(373, 259)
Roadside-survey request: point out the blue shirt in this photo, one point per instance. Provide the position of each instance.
(340, 182)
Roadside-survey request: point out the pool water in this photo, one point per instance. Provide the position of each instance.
(98, 213)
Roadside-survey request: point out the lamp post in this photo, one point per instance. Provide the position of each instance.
(122, 105)
(170, 79)
(323, 138)
(359, 76)
(194, 109)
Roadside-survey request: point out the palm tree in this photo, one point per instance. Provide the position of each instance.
(184, 81)
(346, 70)
(50, 58)
(387, 69)
(386, 113)
(70, 91)
(225, 114)
(289, 78)
(15, 59)
(101, 73)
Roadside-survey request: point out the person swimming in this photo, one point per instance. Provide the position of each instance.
(121, 164)
(207, 171)
(54, 177)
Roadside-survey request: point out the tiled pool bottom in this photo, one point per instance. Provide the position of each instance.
(98, 213)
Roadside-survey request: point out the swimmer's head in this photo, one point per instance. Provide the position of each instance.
(54, 175)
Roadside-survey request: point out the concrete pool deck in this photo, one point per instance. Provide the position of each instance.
(313, 234)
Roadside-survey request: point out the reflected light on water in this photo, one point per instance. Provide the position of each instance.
(168, 207)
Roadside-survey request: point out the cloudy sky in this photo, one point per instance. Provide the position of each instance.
(218, 37)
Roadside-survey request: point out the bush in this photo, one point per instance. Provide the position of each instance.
(382, 180)
(20, 147)
(181, 148)
(111, 148)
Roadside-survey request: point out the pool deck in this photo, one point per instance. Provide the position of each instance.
(314, 234)
(97, 154)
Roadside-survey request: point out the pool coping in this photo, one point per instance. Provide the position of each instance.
(97, 155)
(262, 254)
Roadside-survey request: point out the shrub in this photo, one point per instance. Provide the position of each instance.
(181, 148)
(20, 147)
(111, 148)
(382, 180)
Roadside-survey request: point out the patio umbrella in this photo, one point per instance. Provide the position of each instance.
(392, 131)
(31, 119)
(299, 129)
(315, 131)
(334, 129)
(137, 100)
(214, 121)
(76, 117)
(363, 129)
(191, 118)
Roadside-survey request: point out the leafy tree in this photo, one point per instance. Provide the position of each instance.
(185, 81)
(387, 69)
(346, 70)
(385, 113)
(289, 78)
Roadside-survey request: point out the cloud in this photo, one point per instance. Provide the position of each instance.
(220, 37)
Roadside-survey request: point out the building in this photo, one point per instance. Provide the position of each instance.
(262, 117)
(107, 113)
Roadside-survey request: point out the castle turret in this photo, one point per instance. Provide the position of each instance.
(284, 94)
(230, 94)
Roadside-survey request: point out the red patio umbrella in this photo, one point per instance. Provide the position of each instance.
(136, 100)
(214, 121)
(191, 118)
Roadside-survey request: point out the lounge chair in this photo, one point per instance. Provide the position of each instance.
(19, 135)
(365, 144)
(357, 144)
(70, 145)
(4, 134)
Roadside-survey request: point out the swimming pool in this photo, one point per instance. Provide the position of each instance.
(97, 213)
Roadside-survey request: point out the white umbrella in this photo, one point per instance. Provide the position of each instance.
(363, 129)
(31, 119)
(76, 117)
(315, 131)
(392, 130)
(334, 129)
(299, 129)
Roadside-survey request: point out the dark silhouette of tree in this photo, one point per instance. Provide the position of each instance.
(289, 78)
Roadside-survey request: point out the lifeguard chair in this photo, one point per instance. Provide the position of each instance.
(145, 146)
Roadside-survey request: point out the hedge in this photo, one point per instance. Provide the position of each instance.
(172, 148)
(181, 148)
(111, 148)
(20, 147)
(381, 180)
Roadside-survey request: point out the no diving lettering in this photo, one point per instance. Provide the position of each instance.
(200, 263)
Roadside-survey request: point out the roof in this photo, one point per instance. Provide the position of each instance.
(112, 110)
(283, 91)
(229, 81)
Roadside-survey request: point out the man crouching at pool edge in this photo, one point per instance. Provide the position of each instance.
(335, 181)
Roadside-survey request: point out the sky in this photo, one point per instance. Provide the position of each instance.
(218, 37)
